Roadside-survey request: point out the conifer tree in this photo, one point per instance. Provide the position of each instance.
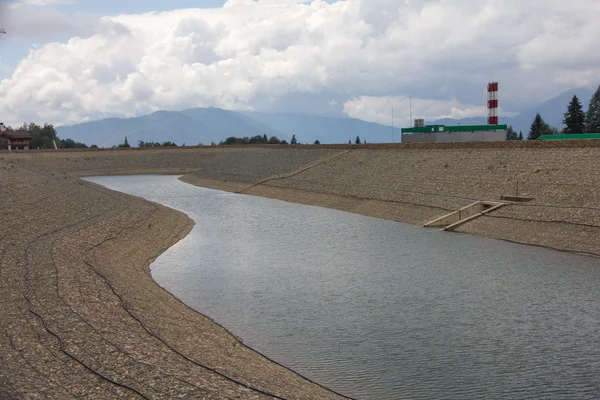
(593, 114)
(294, 141)
(520, 135)
(357, 141)
(574, 117)
(538, 128)
(511, 134)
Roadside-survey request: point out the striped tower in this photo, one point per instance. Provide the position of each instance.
(493, 103)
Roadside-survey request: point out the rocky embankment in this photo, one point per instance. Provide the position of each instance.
(416, 184)
(80, 315)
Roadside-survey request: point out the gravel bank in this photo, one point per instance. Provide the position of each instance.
(416, 185)
(81, 317)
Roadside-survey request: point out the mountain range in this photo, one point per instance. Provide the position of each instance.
(206, 125)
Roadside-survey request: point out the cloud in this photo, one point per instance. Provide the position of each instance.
(27, 20)
(20, 3)
(355, 51)
(380, 109)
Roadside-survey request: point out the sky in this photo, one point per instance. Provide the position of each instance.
(70, 61)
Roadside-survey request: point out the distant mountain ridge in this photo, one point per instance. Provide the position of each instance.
(309, 128)
(205, 125)
(192, 127)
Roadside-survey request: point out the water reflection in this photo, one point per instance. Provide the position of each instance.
(382, 310)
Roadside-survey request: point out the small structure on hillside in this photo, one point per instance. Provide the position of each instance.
(14, 140)
(446, 134)
(573, 136)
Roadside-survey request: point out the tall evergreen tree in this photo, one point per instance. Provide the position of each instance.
(520, 135)
(294, 141)
(593, 114)
(538, 128)
(511, 134)
(574, 117)
(357, 141)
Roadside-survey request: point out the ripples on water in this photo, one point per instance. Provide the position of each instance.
(382, 310)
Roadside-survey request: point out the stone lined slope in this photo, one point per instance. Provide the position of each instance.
(78, 254)
(415, 185)
(242, 164)
(424, 184)
(80, 316)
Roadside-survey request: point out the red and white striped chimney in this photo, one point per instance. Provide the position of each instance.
(493, 103)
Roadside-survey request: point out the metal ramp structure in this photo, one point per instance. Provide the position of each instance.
(451, 221)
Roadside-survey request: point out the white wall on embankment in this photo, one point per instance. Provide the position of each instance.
(449, 137)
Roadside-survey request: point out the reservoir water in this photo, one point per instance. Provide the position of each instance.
(382, 310)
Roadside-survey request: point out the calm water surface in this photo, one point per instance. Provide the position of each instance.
(382, 310)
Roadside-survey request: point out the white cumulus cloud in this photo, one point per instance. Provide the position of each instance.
(361, 52)
(381, 109)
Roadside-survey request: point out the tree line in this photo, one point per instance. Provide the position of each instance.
(576, 121)
(258, 139)
(44, 137)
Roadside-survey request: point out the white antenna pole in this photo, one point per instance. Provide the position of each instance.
(393, 121)
(410, 121)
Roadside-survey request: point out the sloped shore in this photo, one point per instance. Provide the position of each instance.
(80, 315)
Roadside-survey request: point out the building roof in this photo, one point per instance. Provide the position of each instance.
(460, 128)
(574, 136)
(16, 134)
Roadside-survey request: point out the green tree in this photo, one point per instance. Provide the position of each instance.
(234, 140)
(141, 143)
(94, 146)
(71, 144)
(257, 140)
(42, 137)
(357, 141)
(538, 128)
(125, 143)
(511, 134)
(317, 142)
(349, 141)
(520, 135)
(574, 117)
(265, 138)
(294, 141)
(274, 140)
(553, 131)
(593, 114)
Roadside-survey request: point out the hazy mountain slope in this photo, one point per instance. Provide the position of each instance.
(192, 126)
(159, 126)
(309, 128)
(225, 123)
(206, 125)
